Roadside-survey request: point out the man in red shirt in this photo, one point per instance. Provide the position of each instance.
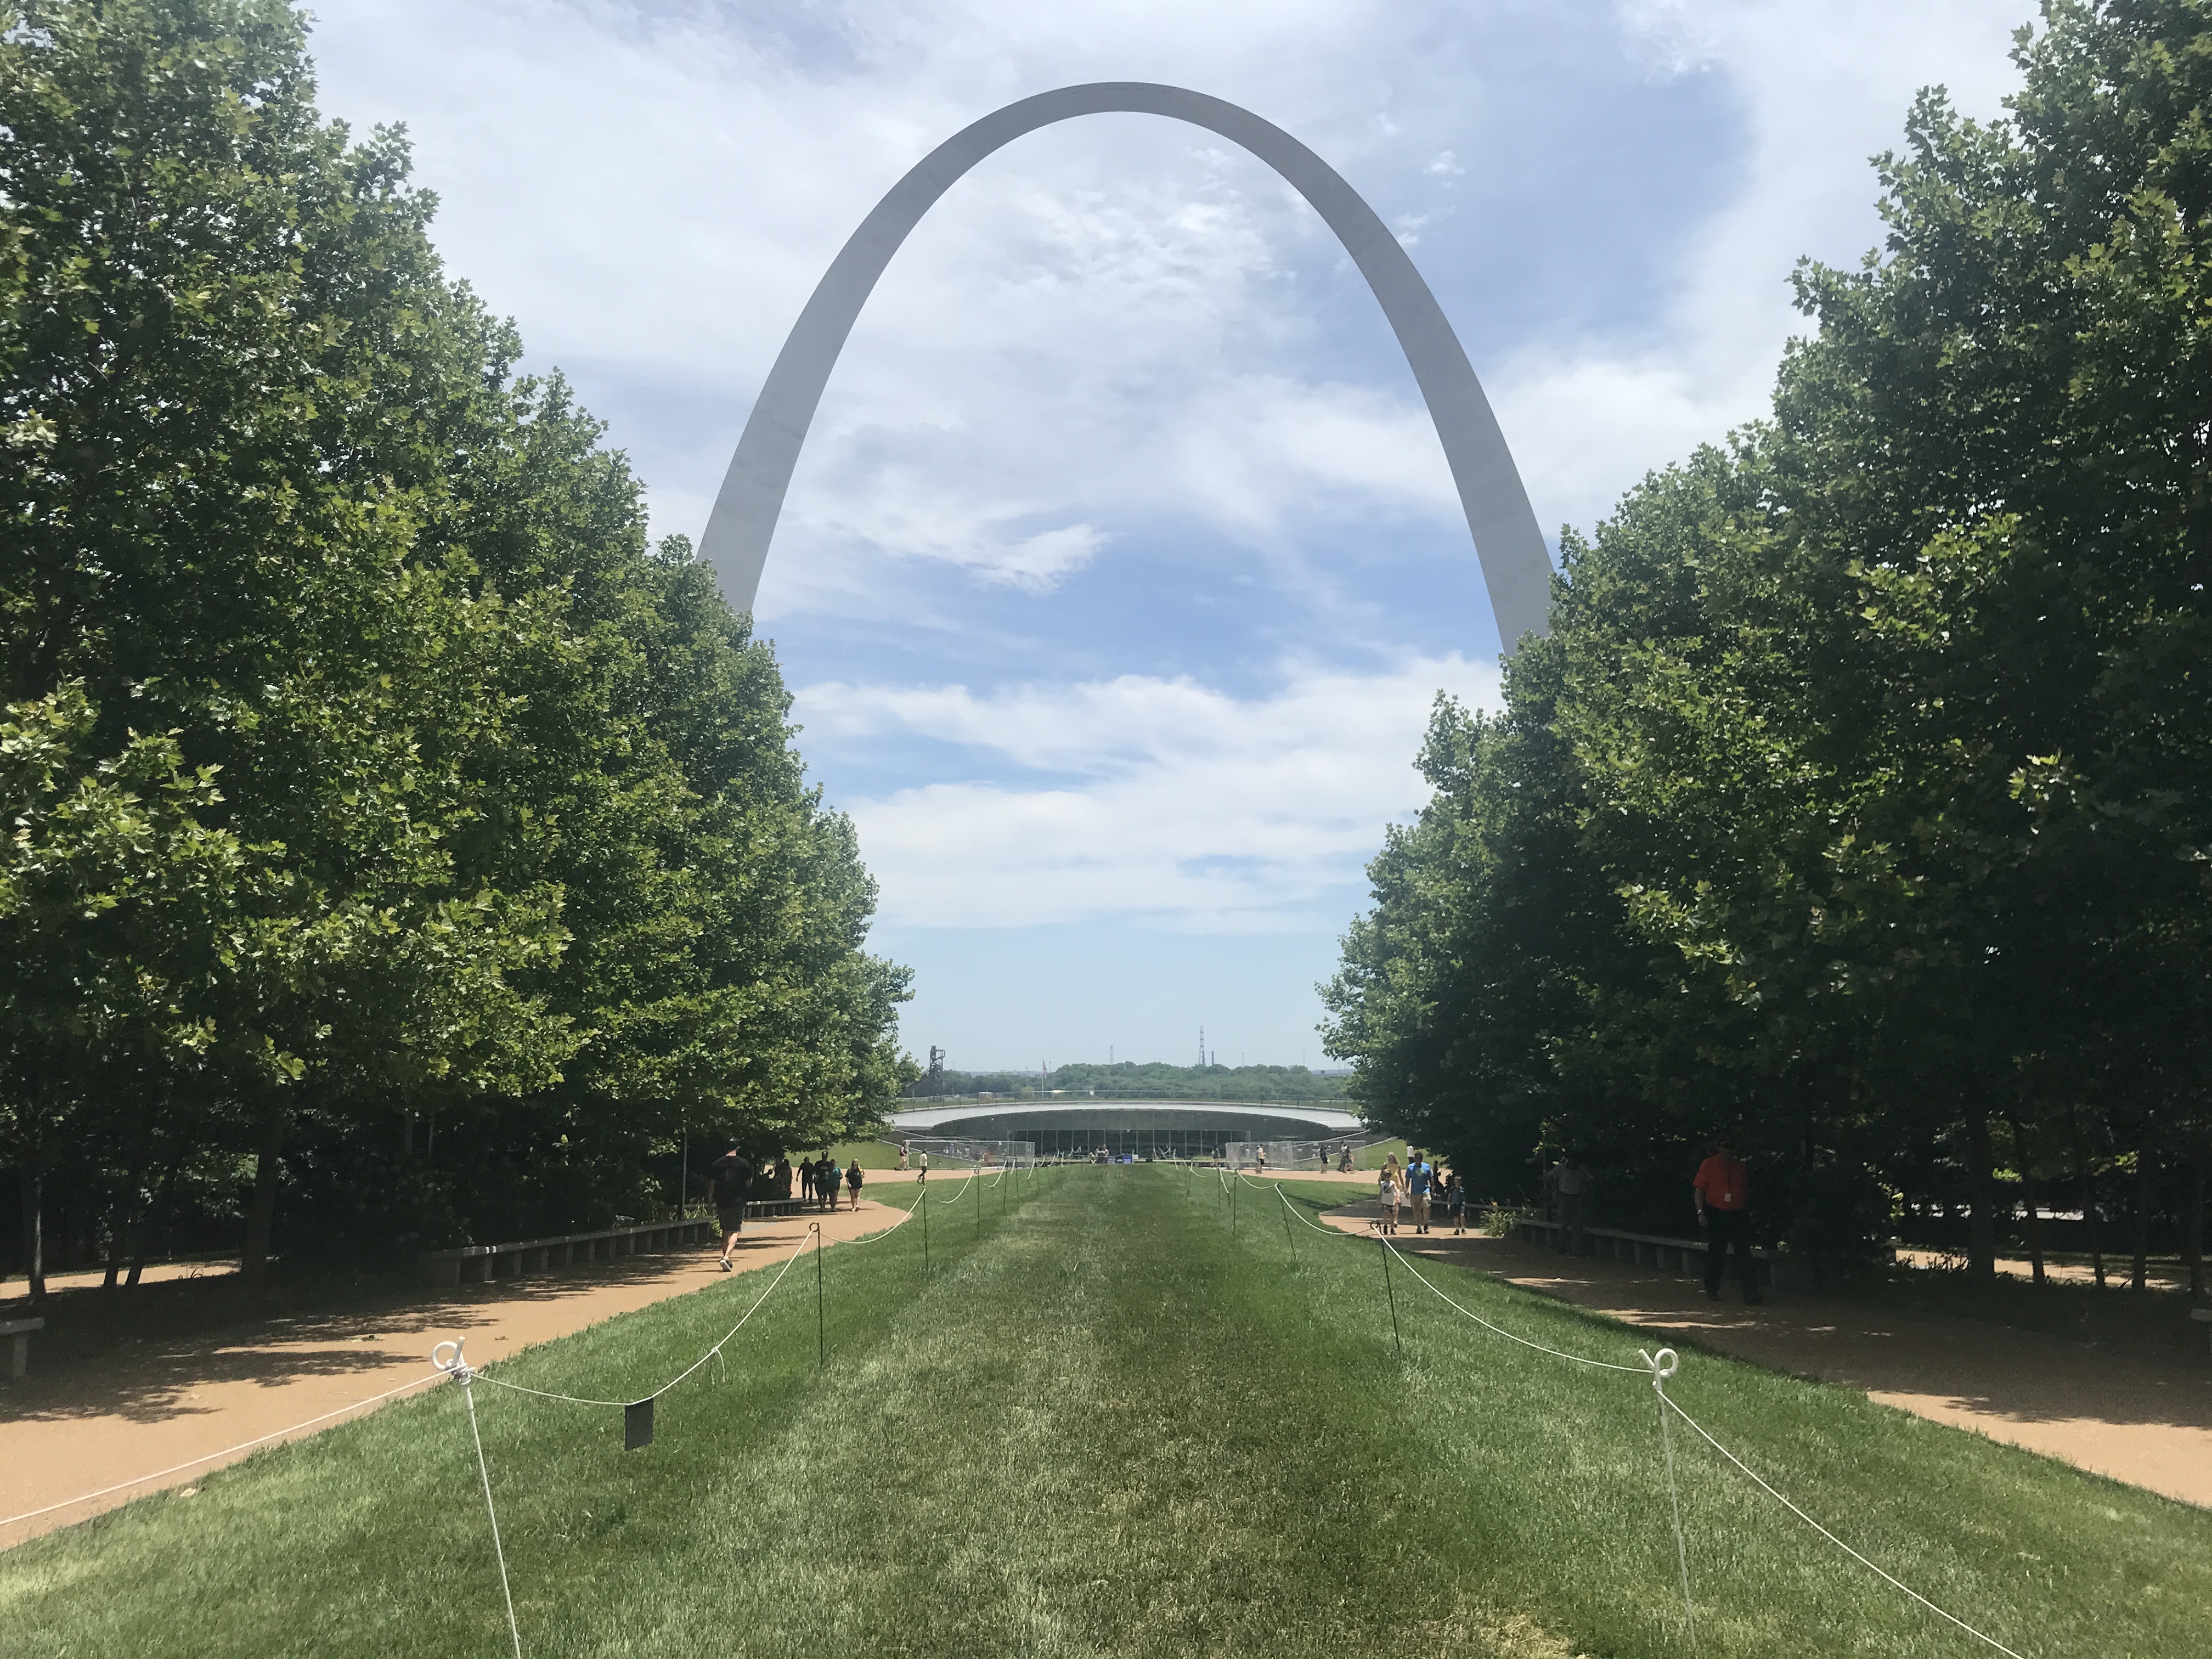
(1721, 1188)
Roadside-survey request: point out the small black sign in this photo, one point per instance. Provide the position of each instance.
(637, 1425)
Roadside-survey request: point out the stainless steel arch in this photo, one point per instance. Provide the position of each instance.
(1515, 566)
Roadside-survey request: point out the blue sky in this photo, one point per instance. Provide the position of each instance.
(1122, 567)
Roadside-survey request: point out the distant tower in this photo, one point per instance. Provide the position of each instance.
(1201, 1048)
(933, 1082)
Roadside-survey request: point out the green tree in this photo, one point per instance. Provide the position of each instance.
(511, 826)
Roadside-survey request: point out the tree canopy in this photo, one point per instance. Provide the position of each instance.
(391, 827)
(1860, 802)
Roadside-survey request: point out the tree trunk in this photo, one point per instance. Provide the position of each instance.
(34, 1242)
(2192, 1228)
(2139, 1269)
(2088, 1198)
(1982, 1186)
(157, 1207)
(262, 1217)
(2024, 1150)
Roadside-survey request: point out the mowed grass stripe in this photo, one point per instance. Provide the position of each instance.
(1109, 1426)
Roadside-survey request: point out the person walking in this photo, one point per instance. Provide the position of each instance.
(1571, 1183)
(1455, 1203)
(1420, 1174)
(780, 1176)
(1386, 1193)
(728, 1180)
(901, 1154)
(853, 1180)
(924, 1175)
(1721, 1188)
(806, 1182)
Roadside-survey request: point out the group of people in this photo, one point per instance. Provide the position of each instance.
(730, 1187)
(818, 1183)
(1421, 1188)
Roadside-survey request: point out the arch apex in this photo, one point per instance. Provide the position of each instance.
(1516, 569)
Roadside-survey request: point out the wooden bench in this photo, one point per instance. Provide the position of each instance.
(18, 1331)
(1686, 1257)
(476, 1264)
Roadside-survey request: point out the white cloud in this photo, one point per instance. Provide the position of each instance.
(1107, 321)
(1823, 84)
(1188, 806)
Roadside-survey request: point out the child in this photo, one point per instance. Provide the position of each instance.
(1386, 1190)
(1455, 1202)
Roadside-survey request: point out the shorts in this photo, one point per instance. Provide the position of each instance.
(733, 1217)
(1420, 1206)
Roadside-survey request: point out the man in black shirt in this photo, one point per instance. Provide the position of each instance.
(728, 1180)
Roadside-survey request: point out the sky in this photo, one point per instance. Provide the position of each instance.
(1121, 568)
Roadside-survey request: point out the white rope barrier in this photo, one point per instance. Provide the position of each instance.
(812, 1230)
(1556, 1353)
(1659, 1367)
(1870, 1566)
(905, 1216)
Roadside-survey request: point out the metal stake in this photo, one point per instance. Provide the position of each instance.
(1390, 1290)
(821, 1334)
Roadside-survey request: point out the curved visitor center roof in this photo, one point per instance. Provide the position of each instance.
(1180, 1128)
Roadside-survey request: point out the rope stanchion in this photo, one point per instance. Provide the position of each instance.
(1664, 1364)
(821, 1330)
(462, 1372)
(1390, 1290)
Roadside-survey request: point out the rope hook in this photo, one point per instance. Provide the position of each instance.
(454, 1365)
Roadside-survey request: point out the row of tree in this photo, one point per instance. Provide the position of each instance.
(1860, 802)
(392, 837)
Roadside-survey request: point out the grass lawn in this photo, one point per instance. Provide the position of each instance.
(1105, 1425)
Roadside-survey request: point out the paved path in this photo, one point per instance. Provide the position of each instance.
(75, 1429)
(2147, 1424)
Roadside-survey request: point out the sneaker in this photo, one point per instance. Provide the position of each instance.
(726, 1265)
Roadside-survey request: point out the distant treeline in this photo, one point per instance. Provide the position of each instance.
(399, 847)
(1152, 1080)
(1860, 802)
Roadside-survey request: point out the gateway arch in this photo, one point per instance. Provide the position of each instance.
(1515, 568)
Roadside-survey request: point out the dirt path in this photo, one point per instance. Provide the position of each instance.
(78, 1428)
(2148, 1425)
